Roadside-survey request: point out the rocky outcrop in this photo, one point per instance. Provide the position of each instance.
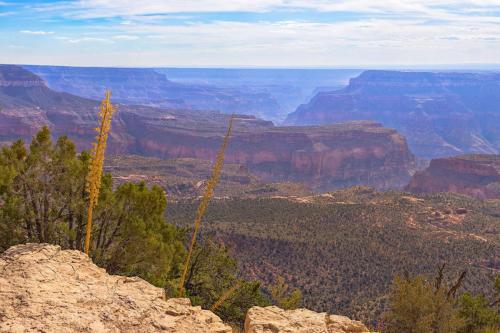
(45, 289)
(323, 157)
(474, 175)
(276, 320)
(440, 114)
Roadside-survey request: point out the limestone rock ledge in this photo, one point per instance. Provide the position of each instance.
(45, 289)
(272, 319)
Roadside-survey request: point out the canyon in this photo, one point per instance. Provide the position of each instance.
(440, 114)
(340, 248)
(323, 157)
(265, 93)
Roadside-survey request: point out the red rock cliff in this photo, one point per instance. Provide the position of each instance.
(474, 175)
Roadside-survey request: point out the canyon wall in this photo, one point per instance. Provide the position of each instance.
(440, 114)
(474, 175)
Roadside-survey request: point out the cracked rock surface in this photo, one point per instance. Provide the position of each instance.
(46, 289)
(272, 319)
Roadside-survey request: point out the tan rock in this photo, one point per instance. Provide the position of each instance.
(45, 289)
(342, 324)
(272, 319)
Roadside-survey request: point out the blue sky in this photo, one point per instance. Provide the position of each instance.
(260, 33)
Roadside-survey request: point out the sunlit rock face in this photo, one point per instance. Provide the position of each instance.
(474, 175)
(324, 157)
(274, 319)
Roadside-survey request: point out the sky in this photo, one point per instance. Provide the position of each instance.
(250, 33)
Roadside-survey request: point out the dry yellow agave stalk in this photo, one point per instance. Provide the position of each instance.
(93, 184)
(209, 192)
(229, 293)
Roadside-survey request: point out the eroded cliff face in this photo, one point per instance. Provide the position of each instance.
(474, 175)
(324, 157)
(441, 114)
(46, 289)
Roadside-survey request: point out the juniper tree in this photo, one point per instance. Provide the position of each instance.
(43, 199)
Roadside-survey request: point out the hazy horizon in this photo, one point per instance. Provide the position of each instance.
(415, 67)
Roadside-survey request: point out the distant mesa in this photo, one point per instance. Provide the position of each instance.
(474, 175)
(440, 114)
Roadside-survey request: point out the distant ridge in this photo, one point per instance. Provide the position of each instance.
(441, 114)
(147, 86)
(22, 88)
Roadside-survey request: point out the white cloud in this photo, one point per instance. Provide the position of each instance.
(114, 8)
(88, 39)
(125, 37)
(224, 32)
(36, 32)
(292, 43)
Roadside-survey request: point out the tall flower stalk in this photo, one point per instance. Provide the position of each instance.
(93, 184)
(228, 294)
(209, 192)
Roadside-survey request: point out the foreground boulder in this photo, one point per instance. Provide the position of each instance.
(272, 319)
(45, 289)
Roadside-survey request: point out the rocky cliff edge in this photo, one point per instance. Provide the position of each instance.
(46, 289)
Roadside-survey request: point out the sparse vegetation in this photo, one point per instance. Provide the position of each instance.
(479, 314)
(186, 177)
(283, 296)
(420, 305)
